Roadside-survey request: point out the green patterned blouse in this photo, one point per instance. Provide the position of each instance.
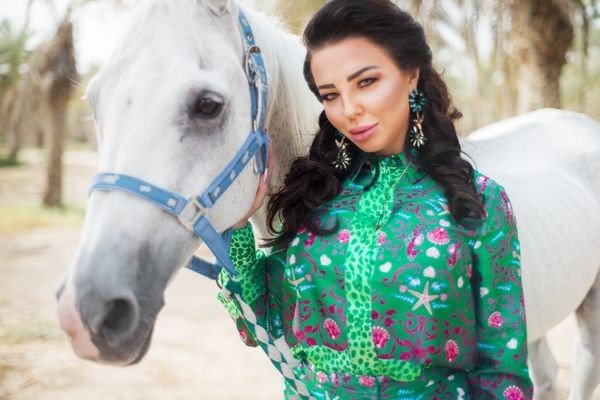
(399, 301)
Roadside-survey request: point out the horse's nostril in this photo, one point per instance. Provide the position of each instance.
(119, 321)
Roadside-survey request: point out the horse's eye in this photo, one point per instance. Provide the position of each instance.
(205, 107)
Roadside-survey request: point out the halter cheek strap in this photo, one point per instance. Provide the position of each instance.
(193, 212)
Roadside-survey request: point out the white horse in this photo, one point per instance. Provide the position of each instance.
(173, 106)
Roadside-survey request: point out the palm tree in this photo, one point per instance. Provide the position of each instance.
(54, 65)
(543, 32)
(13, 102)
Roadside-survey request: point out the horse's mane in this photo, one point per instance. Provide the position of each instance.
(289, 94)
(140, 13)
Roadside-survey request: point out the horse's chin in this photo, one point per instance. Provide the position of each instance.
(144, 349)
(133, 354)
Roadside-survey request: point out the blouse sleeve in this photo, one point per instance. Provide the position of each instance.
(501, 371)
(258, 283)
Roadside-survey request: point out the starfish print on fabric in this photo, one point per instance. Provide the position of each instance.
(424, 298)
(330, 398)
(295, 284)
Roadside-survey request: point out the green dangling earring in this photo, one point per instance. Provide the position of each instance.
(343, 159)
(417, 102)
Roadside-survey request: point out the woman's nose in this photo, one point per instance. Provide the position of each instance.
(351, 107)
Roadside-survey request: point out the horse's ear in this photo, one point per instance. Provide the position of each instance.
(219, 7)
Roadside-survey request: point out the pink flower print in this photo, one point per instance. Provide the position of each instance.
(451, 349)
(367, 381)
(513, 393)
(300, 335)
(403, 288)
(453, 250)
(321, 377)
(335, 379)
(438, 236)
(482, 181)
(411, 252)
(411, 249)
(344, 236)
(311, 342)
(332, 328)
(495, 320)
(381, 238)
(311, 239)
(380, 337)
(443, 297)
(507, 205)
(469, 271)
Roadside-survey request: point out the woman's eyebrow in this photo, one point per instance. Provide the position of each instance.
(350, 77)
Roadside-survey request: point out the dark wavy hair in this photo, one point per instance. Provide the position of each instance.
(312, 181)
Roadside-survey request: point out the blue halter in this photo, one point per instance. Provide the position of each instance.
(193, 212)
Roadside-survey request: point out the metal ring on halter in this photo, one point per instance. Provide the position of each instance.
(251, 72)
(256, 123)
(191, 213)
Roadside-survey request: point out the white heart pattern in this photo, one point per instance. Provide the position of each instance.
(325, 260)
(429, 272)
(512, 344)
(385, 267)
(483, 291)
(433, 252)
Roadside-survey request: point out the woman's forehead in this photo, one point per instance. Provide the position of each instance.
(347, 56)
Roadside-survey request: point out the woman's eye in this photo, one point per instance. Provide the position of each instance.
(206, 107)
(329, 96)
(366, 82)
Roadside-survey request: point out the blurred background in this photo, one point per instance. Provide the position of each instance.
(500, 58)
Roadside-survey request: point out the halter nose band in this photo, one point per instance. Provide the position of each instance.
(193, 213)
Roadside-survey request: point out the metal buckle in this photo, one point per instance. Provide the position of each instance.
(198, 212)
(251, 73)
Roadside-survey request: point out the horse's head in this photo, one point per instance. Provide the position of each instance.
(172, 107)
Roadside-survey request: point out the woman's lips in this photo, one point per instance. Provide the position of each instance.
(362, 133)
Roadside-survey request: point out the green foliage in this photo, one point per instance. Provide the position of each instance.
(13, 54)
(7, 162)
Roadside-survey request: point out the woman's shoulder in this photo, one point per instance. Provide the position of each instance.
(496, 203)
(487, 187)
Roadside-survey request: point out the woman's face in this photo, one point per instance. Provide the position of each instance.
(365, 94)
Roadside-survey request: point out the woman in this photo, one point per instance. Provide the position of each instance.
(394, 271)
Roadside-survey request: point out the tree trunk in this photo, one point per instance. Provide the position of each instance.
(506, 88)
(57, 71)
(542, 35)
(54, 123)
(12, 112)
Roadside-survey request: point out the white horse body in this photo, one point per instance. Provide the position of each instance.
(548, 161)
(552, 176)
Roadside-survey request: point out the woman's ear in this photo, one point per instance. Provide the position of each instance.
(414, 78)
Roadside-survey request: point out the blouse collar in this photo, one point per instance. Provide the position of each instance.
(370, 163)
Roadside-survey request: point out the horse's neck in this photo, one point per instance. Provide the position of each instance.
(292, 109)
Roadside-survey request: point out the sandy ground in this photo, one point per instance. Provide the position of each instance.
(195, 352)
